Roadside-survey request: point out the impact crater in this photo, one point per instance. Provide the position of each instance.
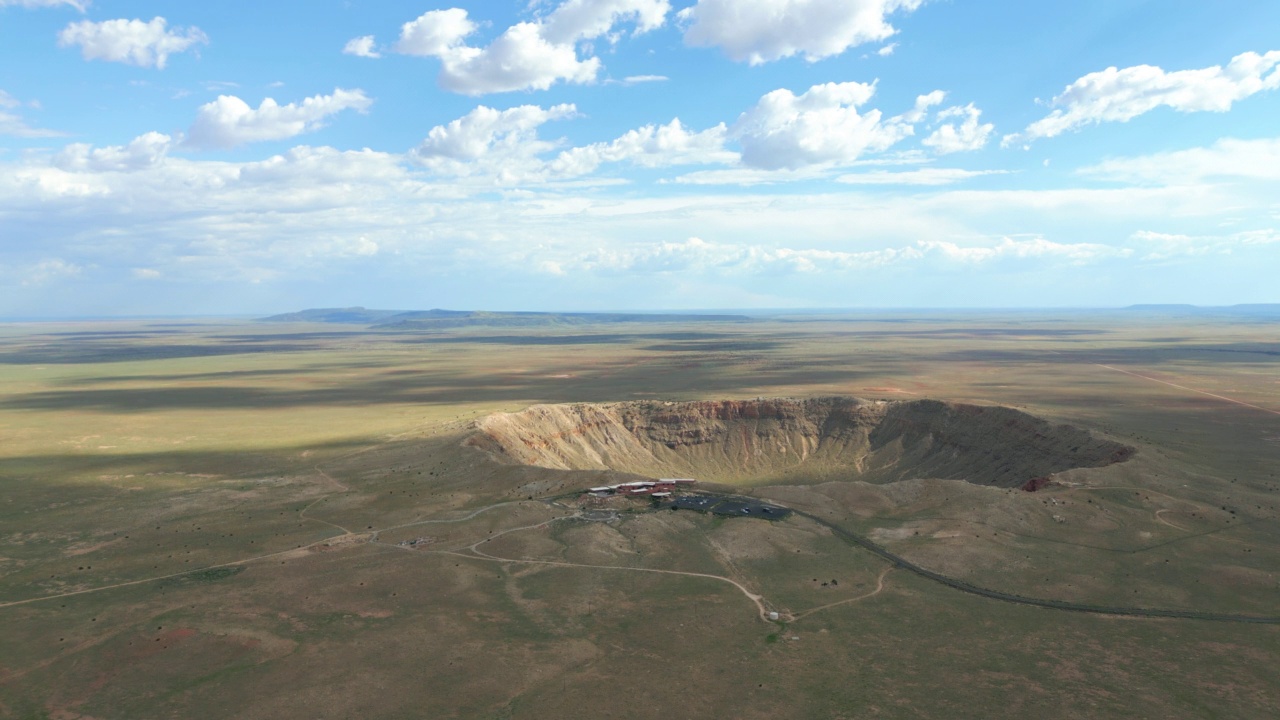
(790, 440)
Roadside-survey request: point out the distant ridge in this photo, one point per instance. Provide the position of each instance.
(351, 315)
(449, 319)
(1167, 307)
(440, 319)
(1257, 310)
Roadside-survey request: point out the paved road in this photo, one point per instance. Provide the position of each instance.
(972, 589)
(965, 586)
(850, 537)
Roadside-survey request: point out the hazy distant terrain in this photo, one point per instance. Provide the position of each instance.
(330, 518)
(449, 319)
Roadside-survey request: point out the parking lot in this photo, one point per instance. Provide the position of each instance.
(732, 506)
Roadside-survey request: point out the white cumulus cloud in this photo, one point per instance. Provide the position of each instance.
(923, 103)
(784, 137)
(503, 147)
(481, 131)
(502, 144)
(362, 47)
(820, 126)
(527, 55)
(1119, 95)
(649, 146)
(229, 121)
(967, 134)
(133, 42)
(435, 33)
(145, 151)
(576, 20)
(759, 31)
(520, 59)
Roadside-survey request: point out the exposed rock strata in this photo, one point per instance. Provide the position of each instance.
(795, 440)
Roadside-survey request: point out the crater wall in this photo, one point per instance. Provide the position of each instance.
(796, 440)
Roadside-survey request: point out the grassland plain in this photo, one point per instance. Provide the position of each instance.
(286, 463)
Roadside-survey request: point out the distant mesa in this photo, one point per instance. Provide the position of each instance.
(788, 440)
(1165, 307)
(351, 315)
(1256, 310)
(450, 319)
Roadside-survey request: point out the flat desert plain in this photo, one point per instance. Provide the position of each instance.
(992, 515)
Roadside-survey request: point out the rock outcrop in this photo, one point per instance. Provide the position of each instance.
(796, 440)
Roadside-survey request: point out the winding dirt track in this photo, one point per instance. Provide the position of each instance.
(233, 563)
(243, 561)
(480, 554)
(850, 537)
(344, 489)
(1166, 522)
(464, 518)
(757, 599)
(864, 596)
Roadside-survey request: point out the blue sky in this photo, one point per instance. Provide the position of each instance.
(174, 158)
